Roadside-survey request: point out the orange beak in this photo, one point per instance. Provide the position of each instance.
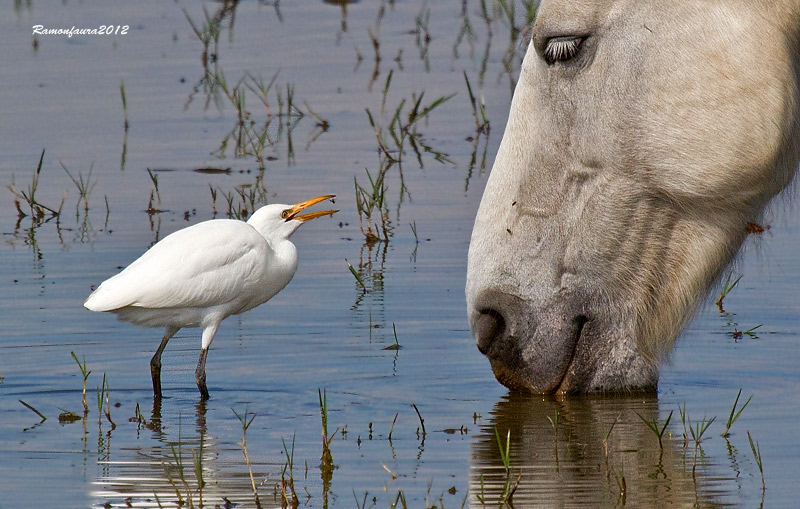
(299, 207)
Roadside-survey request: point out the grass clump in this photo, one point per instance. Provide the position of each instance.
(34, 410)
(402, 129)
(727, 287)
(85, 373)
(154, 203)
(606, 436)
(358, 278)
(288, 493)
(84, 186)
(246, 420)
(757, 455)
(737, 334)
(734, 415)
(373, 212)
(478, 110)
(38, 212)
(510, 486)
(327, 457)
(124, 103)
(654, 427)
(103, 405)
(698, 431)
(396, 345)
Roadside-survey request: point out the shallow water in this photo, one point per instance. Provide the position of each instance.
(323, 331)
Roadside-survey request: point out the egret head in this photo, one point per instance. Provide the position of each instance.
(279, 221)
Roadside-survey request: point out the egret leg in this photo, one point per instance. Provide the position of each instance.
(209, 330)
(200, 374)
(155, 362)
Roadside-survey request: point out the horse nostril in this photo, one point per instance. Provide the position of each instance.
(488, 326)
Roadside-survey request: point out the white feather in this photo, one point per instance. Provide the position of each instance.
(208, 264)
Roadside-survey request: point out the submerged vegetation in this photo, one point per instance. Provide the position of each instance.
(267, 112)
(504, 474)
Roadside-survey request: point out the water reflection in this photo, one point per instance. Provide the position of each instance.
(253, 133)
(185, 466)
(480, 144)
(343, 6)
(585, 451)
(31, 210)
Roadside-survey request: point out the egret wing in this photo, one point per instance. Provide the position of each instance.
(208, 264)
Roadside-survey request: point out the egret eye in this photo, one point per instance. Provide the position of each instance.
(285, 214)
(561, 49)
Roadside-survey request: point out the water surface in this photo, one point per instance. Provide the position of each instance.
(324, 331)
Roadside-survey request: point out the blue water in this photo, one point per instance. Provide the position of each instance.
(323, 331)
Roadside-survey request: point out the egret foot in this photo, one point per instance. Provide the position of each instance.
(200, 374)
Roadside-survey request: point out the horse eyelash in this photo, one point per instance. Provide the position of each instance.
(559, 49)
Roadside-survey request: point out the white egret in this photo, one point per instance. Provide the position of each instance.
(200, 275)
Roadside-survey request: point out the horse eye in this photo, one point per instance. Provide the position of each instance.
(561, 49)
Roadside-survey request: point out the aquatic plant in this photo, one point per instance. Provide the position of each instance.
(654, 427)
(421, 421)
(509, 487)
(622, 485)
(124, 103)
(321, 122)
(393, 137)
(391, 429)
(246, 419)
(197, 460)
(481, 123)
(399, 501)
(363, 503)
(154, 203)
(554, 424)
(103, 405)
(504, 451)
(396, 345)
(757, 455)
(288, 493)
(697, 431)
(606, 436)
(34, 410)
(38, 211)
(683, 415)
(84, 186)
(727, 287)
(371, 201)
(423, 35)
(327, 457)
(177, 457)
(358, 277)
(733, 417)
(404, 128)
(67, 416)
(737, 334)
(85, 374)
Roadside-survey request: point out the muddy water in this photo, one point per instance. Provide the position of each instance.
(62, 94)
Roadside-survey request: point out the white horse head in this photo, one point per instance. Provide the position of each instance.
(643, 136)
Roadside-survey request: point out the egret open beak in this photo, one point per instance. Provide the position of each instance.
(299, 207)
